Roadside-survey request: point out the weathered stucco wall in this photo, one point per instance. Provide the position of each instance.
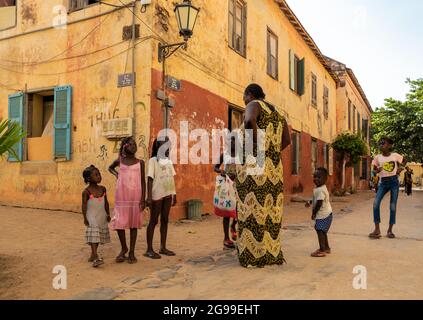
(214, 76)
(210, 63)
(93, 77)
(89, 55)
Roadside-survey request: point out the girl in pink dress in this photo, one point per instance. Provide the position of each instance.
(129, 197)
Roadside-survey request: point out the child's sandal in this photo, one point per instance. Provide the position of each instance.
(229, 245)
(318, 254)
(97, 263)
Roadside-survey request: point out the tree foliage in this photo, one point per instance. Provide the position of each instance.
(350, 147)
(402, 121)
(10, 134)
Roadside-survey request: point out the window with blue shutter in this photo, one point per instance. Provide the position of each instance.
(16, 113)
(62, 122)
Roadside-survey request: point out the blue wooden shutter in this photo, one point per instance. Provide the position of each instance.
(16, 113)
(62, 122)
(301, 77)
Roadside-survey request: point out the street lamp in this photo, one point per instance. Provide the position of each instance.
(186, 17)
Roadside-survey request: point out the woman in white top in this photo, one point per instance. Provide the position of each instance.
(161, 195)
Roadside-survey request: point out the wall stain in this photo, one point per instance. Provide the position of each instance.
(29, 12)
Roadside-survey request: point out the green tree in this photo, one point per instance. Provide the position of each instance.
(10, 134)
(349, 148)
(402, 121)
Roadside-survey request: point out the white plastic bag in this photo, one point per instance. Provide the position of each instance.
(224, 197)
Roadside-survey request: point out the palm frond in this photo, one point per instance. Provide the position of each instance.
(11, 133)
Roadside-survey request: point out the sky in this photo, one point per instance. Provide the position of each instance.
(380, 40)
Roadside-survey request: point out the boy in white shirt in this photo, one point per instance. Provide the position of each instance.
(322, 212)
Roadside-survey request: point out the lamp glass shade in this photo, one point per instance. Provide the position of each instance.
(186, 16)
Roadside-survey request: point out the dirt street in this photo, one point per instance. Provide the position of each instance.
(33, 242)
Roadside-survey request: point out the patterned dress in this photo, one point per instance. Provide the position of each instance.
(260, 196)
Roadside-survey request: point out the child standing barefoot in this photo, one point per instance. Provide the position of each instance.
(322, 212)
(129, 198)
(161, 196)
(95, 209)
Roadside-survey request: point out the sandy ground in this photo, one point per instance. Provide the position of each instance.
(33, 242)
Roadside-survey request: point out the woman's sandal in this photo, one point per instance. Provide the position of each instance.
(152, 255)
(375, 235)
(167, 253)
(318, 254)
(391, 235)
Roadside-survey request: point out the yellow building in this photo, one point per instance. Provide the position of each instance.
(417, 174)
(354, 114)
(61, 81)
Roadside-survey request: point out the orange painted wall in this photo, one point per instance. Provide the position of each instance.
(203, 109)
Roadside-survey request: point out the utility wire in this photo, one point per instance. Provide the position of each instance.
(8, 88)
(144, 23)
(67, 49)
(126, 66)
(75, 70)
(187, 55)
(65, 58)
(109, 4)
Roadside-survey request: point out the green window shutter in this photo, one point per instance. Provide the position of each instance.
(62, 122)
(16, 113)
(292, 70)
(301, 77)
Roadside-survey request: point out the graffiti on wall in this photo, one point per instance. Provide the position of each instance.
(103, 153)
(84, 146)
(102, 111)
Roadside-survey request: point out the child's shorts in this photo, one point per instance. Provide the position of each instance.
(324, 224)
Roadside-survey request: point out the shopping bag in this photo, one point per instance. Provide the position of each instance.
(224, 197)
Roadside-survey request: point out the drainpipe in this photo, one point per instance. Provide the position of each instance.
(133, 70)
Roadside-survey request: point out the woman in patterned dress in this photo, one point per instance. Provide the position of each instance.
(260, 192)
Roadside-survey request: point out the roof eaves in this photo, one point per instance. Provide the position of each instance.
(295, 22)
(360, 89)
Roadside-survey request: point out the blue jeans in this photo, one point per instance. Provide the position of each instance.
(386, 185)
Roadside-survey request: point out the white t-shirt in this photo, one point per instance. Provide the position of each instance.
(322, 193)
(162, 173)
(388, 164)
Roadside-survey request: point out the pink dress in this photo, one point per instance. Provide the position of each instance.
(127, 213)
